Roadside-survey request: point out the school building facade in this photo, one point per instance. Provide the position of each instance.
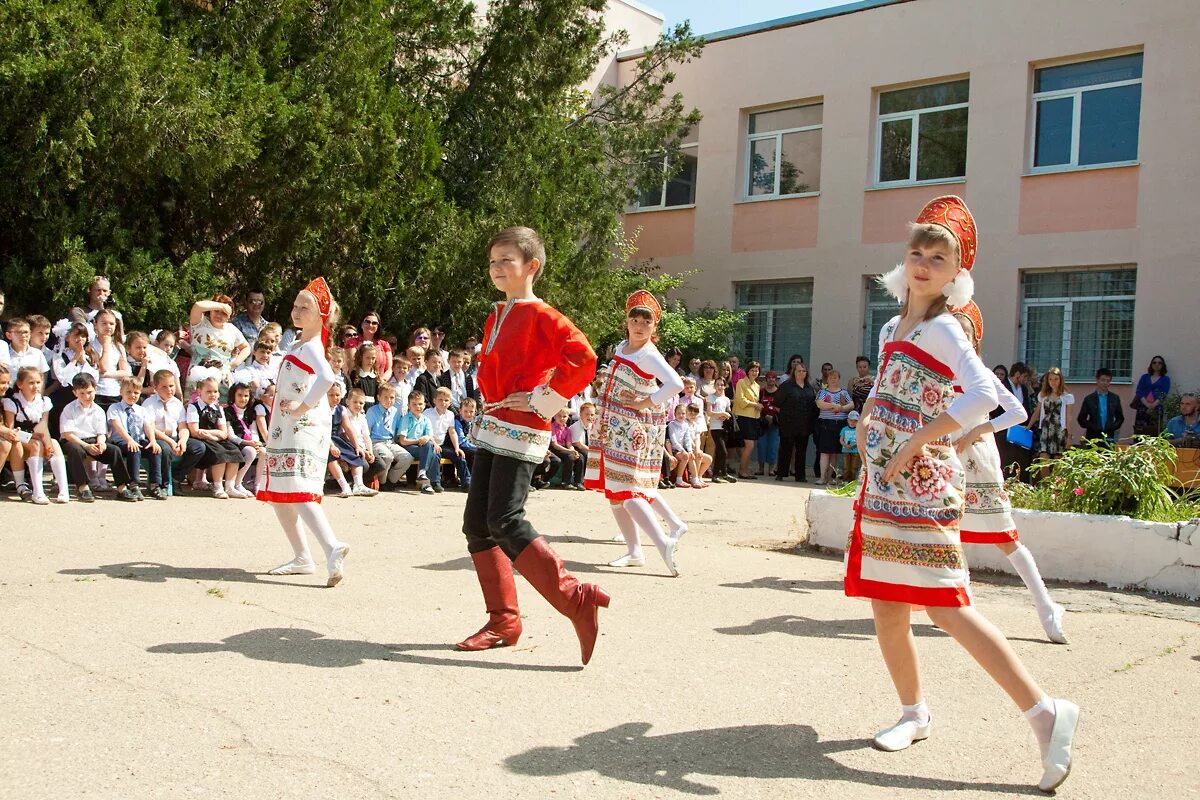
(1070, 128)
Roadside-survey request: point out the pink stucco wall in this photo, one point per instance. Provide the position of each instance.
(664, 233)
(1090, 200)
(775, 225)
(887, 212)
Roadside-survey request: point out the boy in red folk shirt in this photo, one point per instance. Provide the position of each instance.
(532, 360)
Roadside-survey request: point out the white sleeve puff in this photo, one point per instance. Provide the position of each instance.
(656, 365)
(944, 340)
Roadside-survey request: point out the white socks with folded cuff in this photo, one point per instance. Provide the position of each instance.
(1026, 567)
(1041, 719)
(918, 713)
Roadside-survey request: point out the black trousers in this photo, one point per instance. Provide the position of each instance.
(111, 456)
(793, 447)
(495, 511)
(720, 452)
(192, 453)
(547, 469)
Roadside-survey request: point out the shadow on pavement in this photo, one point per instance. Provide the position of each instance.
(787, 585)
(627, 753)
(858, 629)
(152, 572)
(312, 649)
(464, 563)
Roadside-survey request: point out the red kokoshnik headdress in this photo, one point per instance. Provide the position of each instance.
(952, 214)
(643, 299)
(971, 311)
(319, 289)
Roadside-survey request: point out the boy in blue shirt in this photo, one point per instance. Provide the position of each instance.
(415, 435)
(850, 447)
(383, 418)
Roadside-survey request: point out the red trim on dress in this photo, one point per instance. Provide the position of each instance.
(917, 354)
(291, 358)
(648, 376)
(268, 496)
(988, 537)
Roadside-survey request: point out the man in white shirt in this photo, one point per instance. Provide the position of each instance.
(83, 430)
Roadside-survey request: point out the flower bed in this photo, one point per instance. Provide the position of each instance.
(1114, 550)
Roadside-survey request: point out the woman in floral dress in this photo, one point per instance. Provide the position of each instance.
(987, 512)
(904, 548)
(1052, 416)
(625, 458)
(299, 434)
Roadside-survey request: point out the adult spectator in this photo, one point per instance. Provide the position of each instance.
(797, 403)
(674, 357)
(1147, 400)
(437, 340)
(1014, 459)
(748, 410)
(860, 384)
(1100, 414)
(791, 363)
(694, 369)
(835, 405)
(369, 331)
(1001, 372)
(216, 342)
(1186, 426)
(705, 386)
(251, 321)
(1017, 382)
(736, 373)
(99, 298)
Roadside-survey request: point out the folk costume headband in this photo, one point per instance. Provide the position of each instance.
(951, 213)
(643, 299)
(971, 312)
(319, 289)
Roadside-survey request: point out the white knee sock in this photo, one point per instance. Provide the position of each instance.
(640, 511)
(628, 530)
(249, 456)
(357, 473)
(315, 520)
(1026, 567)
(289, 520)
(678, 526)
(19, 475)
(58, 466)
(34, 465)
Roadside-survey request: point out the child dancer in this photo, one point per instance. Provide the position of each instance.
(904, 548)
(533, 359)
(206, 424)
(625, 461)
(239, 419)
(298, 445)
(28, 412)
(987, 512)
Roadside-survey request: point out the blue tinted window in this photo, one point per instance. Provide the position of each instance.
(1052, 139)
(1108, 124)
(1088, 73)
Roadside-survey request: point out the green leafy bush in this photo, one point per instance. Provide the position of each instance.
(1092, 479)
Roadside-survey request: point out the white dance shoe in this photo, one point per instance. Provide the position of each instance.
(902, 735)
(670, 557)
(1056, 754)
(1053, 624)
(618, 538)
(628, 560)
(297, 566)
(335, 565)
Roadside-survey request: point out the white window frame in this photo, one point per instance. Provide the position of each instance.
(662, 192)
(1067, 304)
(915, 117)
(773, 307)
(751, 138)
(1076, 114)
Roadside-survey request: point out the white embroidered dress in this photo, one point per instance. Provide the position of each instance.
(298, 447)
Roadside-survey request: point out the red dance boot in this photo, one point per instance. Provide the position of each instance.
(578, 602)
(503, 629)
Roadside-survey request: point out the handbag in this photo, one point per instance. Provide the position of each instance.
(1020, 436)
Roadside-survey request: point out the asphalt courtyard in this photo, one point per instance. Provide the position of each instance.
(146, 654)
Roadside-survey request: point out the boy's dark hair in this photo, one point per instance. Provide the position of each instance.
(1100, 373)
(83, 381)
(1018, 368)
(524, 239)
(861, 359)
(160, 376)
(261, 345)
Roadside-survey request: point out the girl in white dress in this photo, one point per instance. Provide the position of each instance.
(298, 440)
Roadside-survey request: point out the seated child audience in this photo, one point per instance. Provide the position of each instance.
(445, 440)
(427, 381)
(363, 376)
(206, 424)
(27, 413)
(85, 436)
(462, 425)
(166, 414)
(681, 443)
(701, 460)
(257, 372)
(571, 464)
(131, 429)
(383, 421)
(416, 436)
(350, 443)
(243, 431)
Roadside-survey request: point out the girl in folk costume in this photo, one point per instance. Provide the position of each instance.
(533, 359)
(987, 512)
(625, 458)
(904, 549)
(298, 441)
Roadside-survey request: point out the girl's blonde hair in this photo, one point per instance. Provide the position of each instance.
(1062, 383)
(926, 234)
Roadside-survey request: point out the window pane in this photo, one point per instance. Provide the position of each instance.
(1088, 73)
(895, 150)
(681, 190)
(918, 97)
(881, 307)
(774, 294)
(1108, 124)
(1044, 336)
(757, 341)
(791, 332)
(942, 145)
(785, 118)
(1101, 336)
(800, 163)
(762, 167)
(1046, 284)
(1052, 139)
